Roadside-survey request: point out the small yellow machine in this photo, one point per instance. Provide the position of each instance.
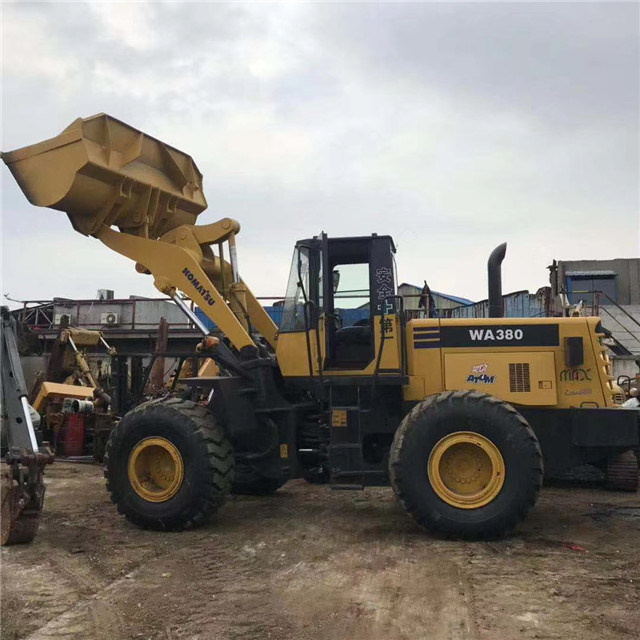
(457, 415)
(69, 386)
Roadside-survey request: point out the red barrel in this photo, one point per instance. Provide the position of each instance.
(73, 435)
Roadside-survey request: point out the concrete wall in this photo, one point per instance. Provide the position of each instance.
(627, 280)
(623, 328)
(624, 366)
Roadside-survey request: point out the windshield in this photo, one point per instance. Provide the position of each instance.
(297, 290)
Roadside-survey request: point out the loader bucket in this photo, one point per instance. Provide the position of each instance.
(101, 171)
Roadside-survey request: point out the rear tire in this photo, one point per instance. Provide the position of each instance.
(168, 465)
(623, 472)
(492, 447)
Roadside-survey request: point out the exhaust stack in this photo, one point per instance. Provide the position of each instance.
(495, 280)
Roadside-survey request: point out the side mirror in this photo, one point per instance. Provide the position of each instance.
(336, 279)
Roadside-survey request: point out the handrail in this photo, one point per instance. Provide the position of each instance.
(400, 314)
(635, 337)
(618, 306)
(615, 304)
(310, 304)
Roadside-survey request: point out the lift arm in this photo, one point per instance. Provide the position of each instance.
(174, 267)
(103, 174)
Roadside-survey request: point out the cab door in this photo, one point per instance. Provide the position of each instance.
(298, 347)
(358, 305)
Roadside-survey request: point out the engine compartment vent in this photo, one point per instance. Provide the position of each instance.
(519, 377)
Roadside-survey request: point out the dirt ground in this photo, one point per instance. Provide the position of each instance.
(309, 563)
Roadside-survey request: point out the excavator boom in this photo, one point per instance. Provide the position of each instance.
(21, 485)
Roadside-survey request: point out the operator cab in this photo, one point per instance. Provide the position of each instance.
(337, 286)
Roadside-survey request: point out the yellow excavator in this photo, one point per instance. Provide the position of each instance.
(459, 415)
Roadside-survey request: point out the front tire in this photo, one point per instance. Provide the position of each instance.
(168, 465)
(466, 464)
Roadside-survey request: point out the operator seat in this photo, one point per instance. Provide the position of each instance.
(353, 344)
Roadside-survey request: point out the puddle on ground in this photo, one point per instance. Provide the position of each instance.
(603, 511)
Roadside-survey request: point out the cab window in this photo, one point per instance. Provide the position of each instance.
(297, 292)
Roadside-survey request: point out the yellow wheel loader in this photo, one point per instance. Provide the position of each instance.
(457, 415)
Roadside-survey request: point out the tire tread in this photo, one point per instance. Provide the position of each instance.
(433, 403)
(213, 442)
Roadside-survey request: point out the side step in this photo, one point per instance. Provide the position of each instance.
(345, 446)
(350, 455)
(348, 481)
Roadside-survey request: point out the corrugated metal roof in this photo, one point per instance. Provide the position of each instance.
(519, 304)
(454, 298)
(438, 293)
(606, 273)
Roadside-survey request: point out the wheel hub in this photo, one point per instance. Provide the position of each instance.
(466, 470)
(155, 469)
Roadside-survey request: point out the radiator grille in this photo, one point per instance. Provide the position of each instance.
(519, 379)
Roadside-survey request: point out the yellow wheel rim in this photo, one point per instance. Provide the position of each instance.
(466, 470)
(155, 469)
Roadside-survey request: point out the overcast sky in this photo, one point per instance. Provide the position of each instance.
(452, 127)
